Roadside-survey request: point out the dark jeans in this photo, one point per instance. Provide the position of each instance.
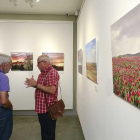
(47, 126)
(6, 123)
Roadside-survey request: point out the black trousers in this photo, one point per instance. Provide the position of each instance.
(47, 126)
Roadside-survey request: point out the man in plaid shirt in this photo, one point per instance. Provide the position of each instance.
(46, 85)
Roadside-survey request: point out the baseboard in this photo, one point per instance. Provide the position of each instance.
(32, 112)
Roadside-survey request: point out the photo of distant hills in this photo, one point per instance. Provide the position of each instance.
(130, 55)
(57, 60)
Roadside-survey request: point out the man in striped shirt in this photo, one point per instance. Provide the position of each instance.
(46, 85)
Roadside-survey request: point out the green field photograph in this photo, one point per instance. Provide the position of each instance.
(91, 63)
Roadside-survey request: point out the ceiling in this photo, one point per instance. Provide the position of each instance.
(50, 7)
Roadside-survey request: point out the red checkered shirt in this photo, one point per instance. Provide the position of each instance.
(48, 77)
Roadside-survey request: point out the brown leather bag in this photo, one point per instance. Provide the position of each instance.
(56, 110)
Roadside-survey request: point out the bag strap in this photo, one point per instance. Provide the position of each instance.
(58, 82)
(45, 92)
(60, 88)
(44, 85)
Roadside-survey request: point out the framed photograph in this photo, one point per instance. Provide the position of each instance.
(22, 61)
(57, 60)
(125, 41)
(91, 61)
(80, 61)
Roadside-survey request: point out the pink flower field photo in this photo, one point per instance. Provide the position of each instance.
(126, 78)
(125, 42)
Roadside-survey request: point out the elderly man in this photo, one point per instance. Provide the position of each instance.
(46, 85)
(6, 113)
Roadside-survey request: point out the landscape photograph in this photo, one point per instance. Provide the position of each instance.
(80, 61)
(125, 42)
(22, 61)
(91, 63)
(57, 60)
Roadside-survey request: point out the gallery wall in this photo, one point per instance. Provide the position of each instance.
(103, 115)
(38, 37)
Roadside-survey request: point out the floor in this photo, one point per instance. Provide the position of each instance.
(28, 128)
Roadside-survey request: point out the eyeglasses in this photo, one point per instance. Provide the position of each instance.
(39, 62)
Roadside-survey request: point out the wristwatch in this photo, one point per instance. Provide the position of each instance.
(36, 85)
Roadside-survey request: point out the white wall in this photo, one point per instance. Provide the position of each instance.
(103, 115)
(37, 37)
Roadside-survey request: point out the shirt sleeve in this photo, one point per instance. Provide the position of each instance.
(4, 84)
(53, 78)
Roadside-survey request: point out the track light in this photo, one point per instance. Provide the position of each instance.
(15, 2)
(31, 2)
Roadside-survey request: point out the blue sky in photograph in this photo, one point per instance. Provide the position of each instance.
(91, 51)
(125, 34)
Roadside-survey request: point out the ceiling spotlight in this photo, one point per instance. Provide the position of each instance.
(29, 1)
(31, 4)
(77, 12)
(15, 4)
(13, 0)
(37, 0)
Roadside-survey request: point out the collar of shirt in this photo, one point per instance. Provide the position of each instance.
(1, 70)
(45, 70)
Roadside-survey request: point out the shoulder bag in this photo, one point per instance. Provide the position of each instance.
(57, 109)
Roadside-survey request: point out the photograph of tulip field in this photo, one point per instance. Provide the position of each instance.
(125, 42)
(91, 63)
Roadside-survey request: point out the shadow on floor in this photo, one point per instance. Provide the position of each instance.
(28, 128)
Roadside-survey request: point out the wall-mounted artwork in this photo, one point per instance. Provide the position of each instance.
(125, 40)
(57, 60)
(91, 63)
(80, 61)
(22, 61)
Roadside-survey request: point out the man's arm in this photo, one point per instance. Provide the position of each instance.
(5, 102)
(32, 83)
(47, 89)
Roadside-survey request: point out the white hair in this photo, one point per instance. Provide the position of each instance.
(45, 57)
(4, 58)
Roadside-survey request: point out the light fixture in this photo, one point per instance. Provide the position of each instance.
(77, 12)
(15, 2)
(31, 2)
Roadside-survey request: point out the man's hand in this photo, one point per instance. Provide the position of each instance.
(30, 82)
